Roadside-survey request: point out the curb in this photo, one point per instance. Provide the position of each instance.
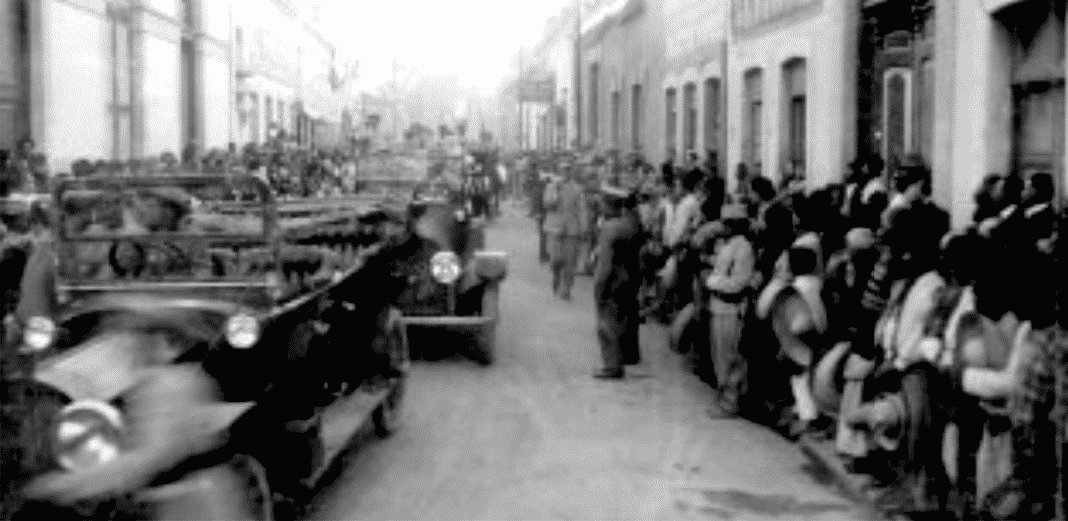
(852, 486)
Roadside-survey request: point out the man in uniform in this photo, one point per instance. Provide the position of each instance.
(565, 224)
(616, 283)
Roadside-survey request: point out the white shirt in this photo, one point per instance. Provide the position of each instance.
(681, 219)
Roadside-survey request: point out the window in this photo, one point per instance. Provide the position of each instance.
(594, 109)
(239, 47)
(561, 121)
(897, 115)
(754, 121)
(281, 114)
(689, 97)
(122, 74)
(268, 115)
(1038, 89)
(254, 117)
(616, 108)
(671, 120)
(794, 95)
(635, 115)
(712, 116)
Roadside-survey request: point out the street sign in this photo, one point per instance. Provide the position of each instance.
(543, 91)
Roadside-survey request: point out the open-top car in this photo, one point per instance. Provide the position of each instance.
(453, 281)
(200, 268)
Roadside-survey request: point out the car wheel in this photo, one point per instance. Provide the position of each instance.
(387, 416)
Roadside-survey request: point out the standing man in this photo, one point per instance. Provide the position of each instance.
(730, 282)
(667, 168)
(565, 225)
(616, 283)
(539, 185)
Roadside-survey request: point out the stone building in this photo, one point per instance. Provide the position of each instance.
(266, 68)
(621, 71)
(114, 79)
(975, 87)
(791, 87)
(290, 76)
(693, 89)
(551, 125)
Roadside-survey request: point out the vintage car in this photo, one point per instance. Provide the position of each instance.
(454, 282)
(275, 313)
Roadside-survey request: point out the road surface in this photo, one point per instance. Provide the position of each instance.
(534, 437)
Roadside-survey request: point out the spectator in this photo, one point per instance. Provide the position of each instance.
(730, 283)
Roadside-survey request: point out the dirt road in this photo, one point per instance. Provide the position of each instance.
(535, 437)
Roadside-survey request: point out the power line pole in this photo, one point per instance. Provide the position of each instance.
(396, 96)
(519, 97)
(578, 73)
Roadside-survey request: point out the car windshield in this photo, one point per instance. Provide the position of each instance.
(164, 228)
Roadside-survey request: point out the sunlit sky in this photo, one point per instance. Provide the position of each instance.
(475, 39)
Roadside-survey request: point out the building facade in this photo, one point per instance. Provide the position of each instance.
(791, 87)
(973, 87)
(621, 70)
(267, 69)
(693, 88)
(551, 123)
(115, 79)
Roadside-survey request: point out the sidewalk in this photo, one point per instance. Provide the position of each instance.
(857, 487)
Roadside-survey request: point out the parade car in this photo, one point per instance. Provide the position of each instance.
(453, 281)
(278, 314)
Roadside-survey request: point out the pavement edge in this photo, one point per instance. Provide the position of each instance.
(849, 485)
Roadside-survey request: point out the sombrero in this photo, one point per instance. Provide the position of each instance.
(917, 307)
(827, 377)
(808, 287)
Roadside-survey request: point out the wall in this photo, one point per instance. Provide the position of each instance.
(766, 34)
(217, 79)
(162, 101)
(693, 52)
(76, 91)
(629, 49)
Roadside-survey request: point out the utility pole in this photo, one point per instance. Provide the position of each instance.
(519, 97)
(578, 73)
(396, 95)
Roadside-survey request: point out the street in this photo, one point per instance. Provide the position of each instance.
(535, 437)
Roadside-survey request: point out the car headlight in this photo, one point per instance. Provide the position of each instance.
(39, 333)
(242, 331)
(445, 267)
(87, 434)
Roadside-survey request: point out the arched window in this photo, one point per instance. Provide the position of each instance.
(671, 118)
(753, 119)
(689, 100)
(794, 97)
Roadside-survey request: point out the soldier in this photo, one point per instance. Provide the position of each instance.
(617, 280)
(565, 224)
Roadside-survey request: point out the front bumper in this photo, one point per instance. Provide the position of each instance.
(449, 321)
